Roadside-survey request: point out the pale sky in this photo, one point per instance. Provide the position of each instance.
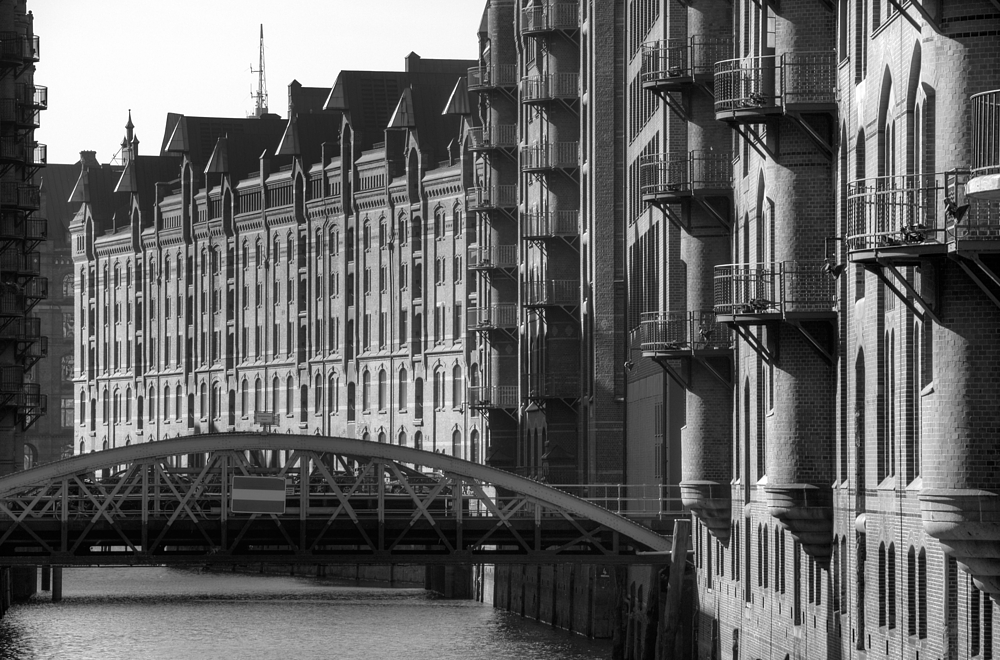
(100, 58)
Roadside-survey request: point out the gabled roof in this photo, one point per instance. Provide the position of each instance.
(248, 139)
(57, 181)
(375, 100)
(305, 134)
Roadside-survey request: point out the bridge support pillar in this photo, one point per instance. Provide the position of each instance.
(453, 582)
(46, 578)
(57, 574)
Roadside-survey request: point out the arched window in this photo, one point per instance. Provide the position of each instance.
(216, 401)
(152, 403)
(166, 402)
(418, 440)
(289, 397)
(381, 437)
(244, 398)
(882, 576)
(456, 444)
(67, 286)
(439, 223)
(331, 395)
(383, 393)
(318, 394)
(366, 386)
(128, 405)
(178, 399)
(402, 389)
(303, 403)
(258, 396)
(474, 446)
(351, 406)
(83, 447)
(457, 397)
(922, 594)
(83, 407)
(438, 393)
(275, 395)
(203, 400)
(418, 398)
(401, 438)
(892, 585)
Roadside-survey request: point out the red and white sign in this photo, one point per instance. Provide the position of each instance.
(258, 495)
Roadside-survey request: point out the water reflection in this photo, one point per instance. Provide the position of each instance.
(154, 613)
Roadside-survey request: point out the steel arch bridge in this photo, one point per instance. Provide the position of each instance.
(346, 501)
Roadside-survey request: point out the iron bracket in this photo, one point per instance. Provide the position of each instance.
(817, 139)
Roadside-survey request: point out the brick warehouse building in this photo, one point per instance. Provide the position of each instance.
(282, 266)
(819, 176)
(21, 231)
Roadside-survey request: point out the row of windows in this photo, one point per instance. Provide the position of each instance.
(118, 408)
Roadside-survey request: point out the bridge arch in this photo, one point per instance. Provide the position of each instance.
(34, 493)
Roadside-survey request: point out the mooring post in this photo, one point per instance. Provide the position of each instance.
(57, 574)
(671, 614)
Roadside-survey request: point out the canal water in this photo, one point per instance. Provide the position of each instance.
(153, 613)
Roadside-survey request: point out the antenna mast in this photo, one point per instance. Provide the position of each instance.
(260, 96)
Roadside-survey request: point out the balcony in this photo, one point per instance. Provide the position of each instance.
(11, 379)
(673, 65)
(22, 196)
(12, 149)
(550, 87)
(754, 89)
(493, 257)
(500, 316)
(484, 78)
(11, 49)
(549, 17)
(11, 304)
(34, 96)
(550, 156)
(985, 181)
(502, 397)
(39, 155)
(679, 334)
(37, 288)
(671, 178)
(16, 261)
(493, 197)
(500, 136)
(550, 224)
(32, 48)
(901, 219)
(789, 290)
(553, 385)
(552, 293)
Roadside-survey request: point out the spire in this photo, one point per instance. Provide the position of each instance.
(260, 96)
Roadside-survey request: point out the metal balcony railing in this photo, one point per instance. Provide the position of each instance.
(662, 332)
(493, 256)
(553, 385)
(492, 77)
(29, 396)
(32, 48)
(40, 154)
(560, 293)
(890, 212)
(550, 156)
(778, 289)
(15, 261)
(550, 87)
(683, 173)
(986, 133)
(493, 197)
(550, 224)
(11, 379)
(768, 84)
(550, 16)
(493, 396)
(675, 62)
(36, 229)
(11, 304)
(493, 137)
(19, 195)
(12, 148)
(11, 48)
(37, 288)
(499, 316)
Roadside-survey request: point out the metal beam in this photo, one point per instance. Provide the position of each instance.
(817, 139)
(819, 348)
(928, 308)
(14, 483)
(979, 282)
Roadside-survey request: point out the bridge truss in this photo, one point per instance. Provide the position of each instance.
(346, 501)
